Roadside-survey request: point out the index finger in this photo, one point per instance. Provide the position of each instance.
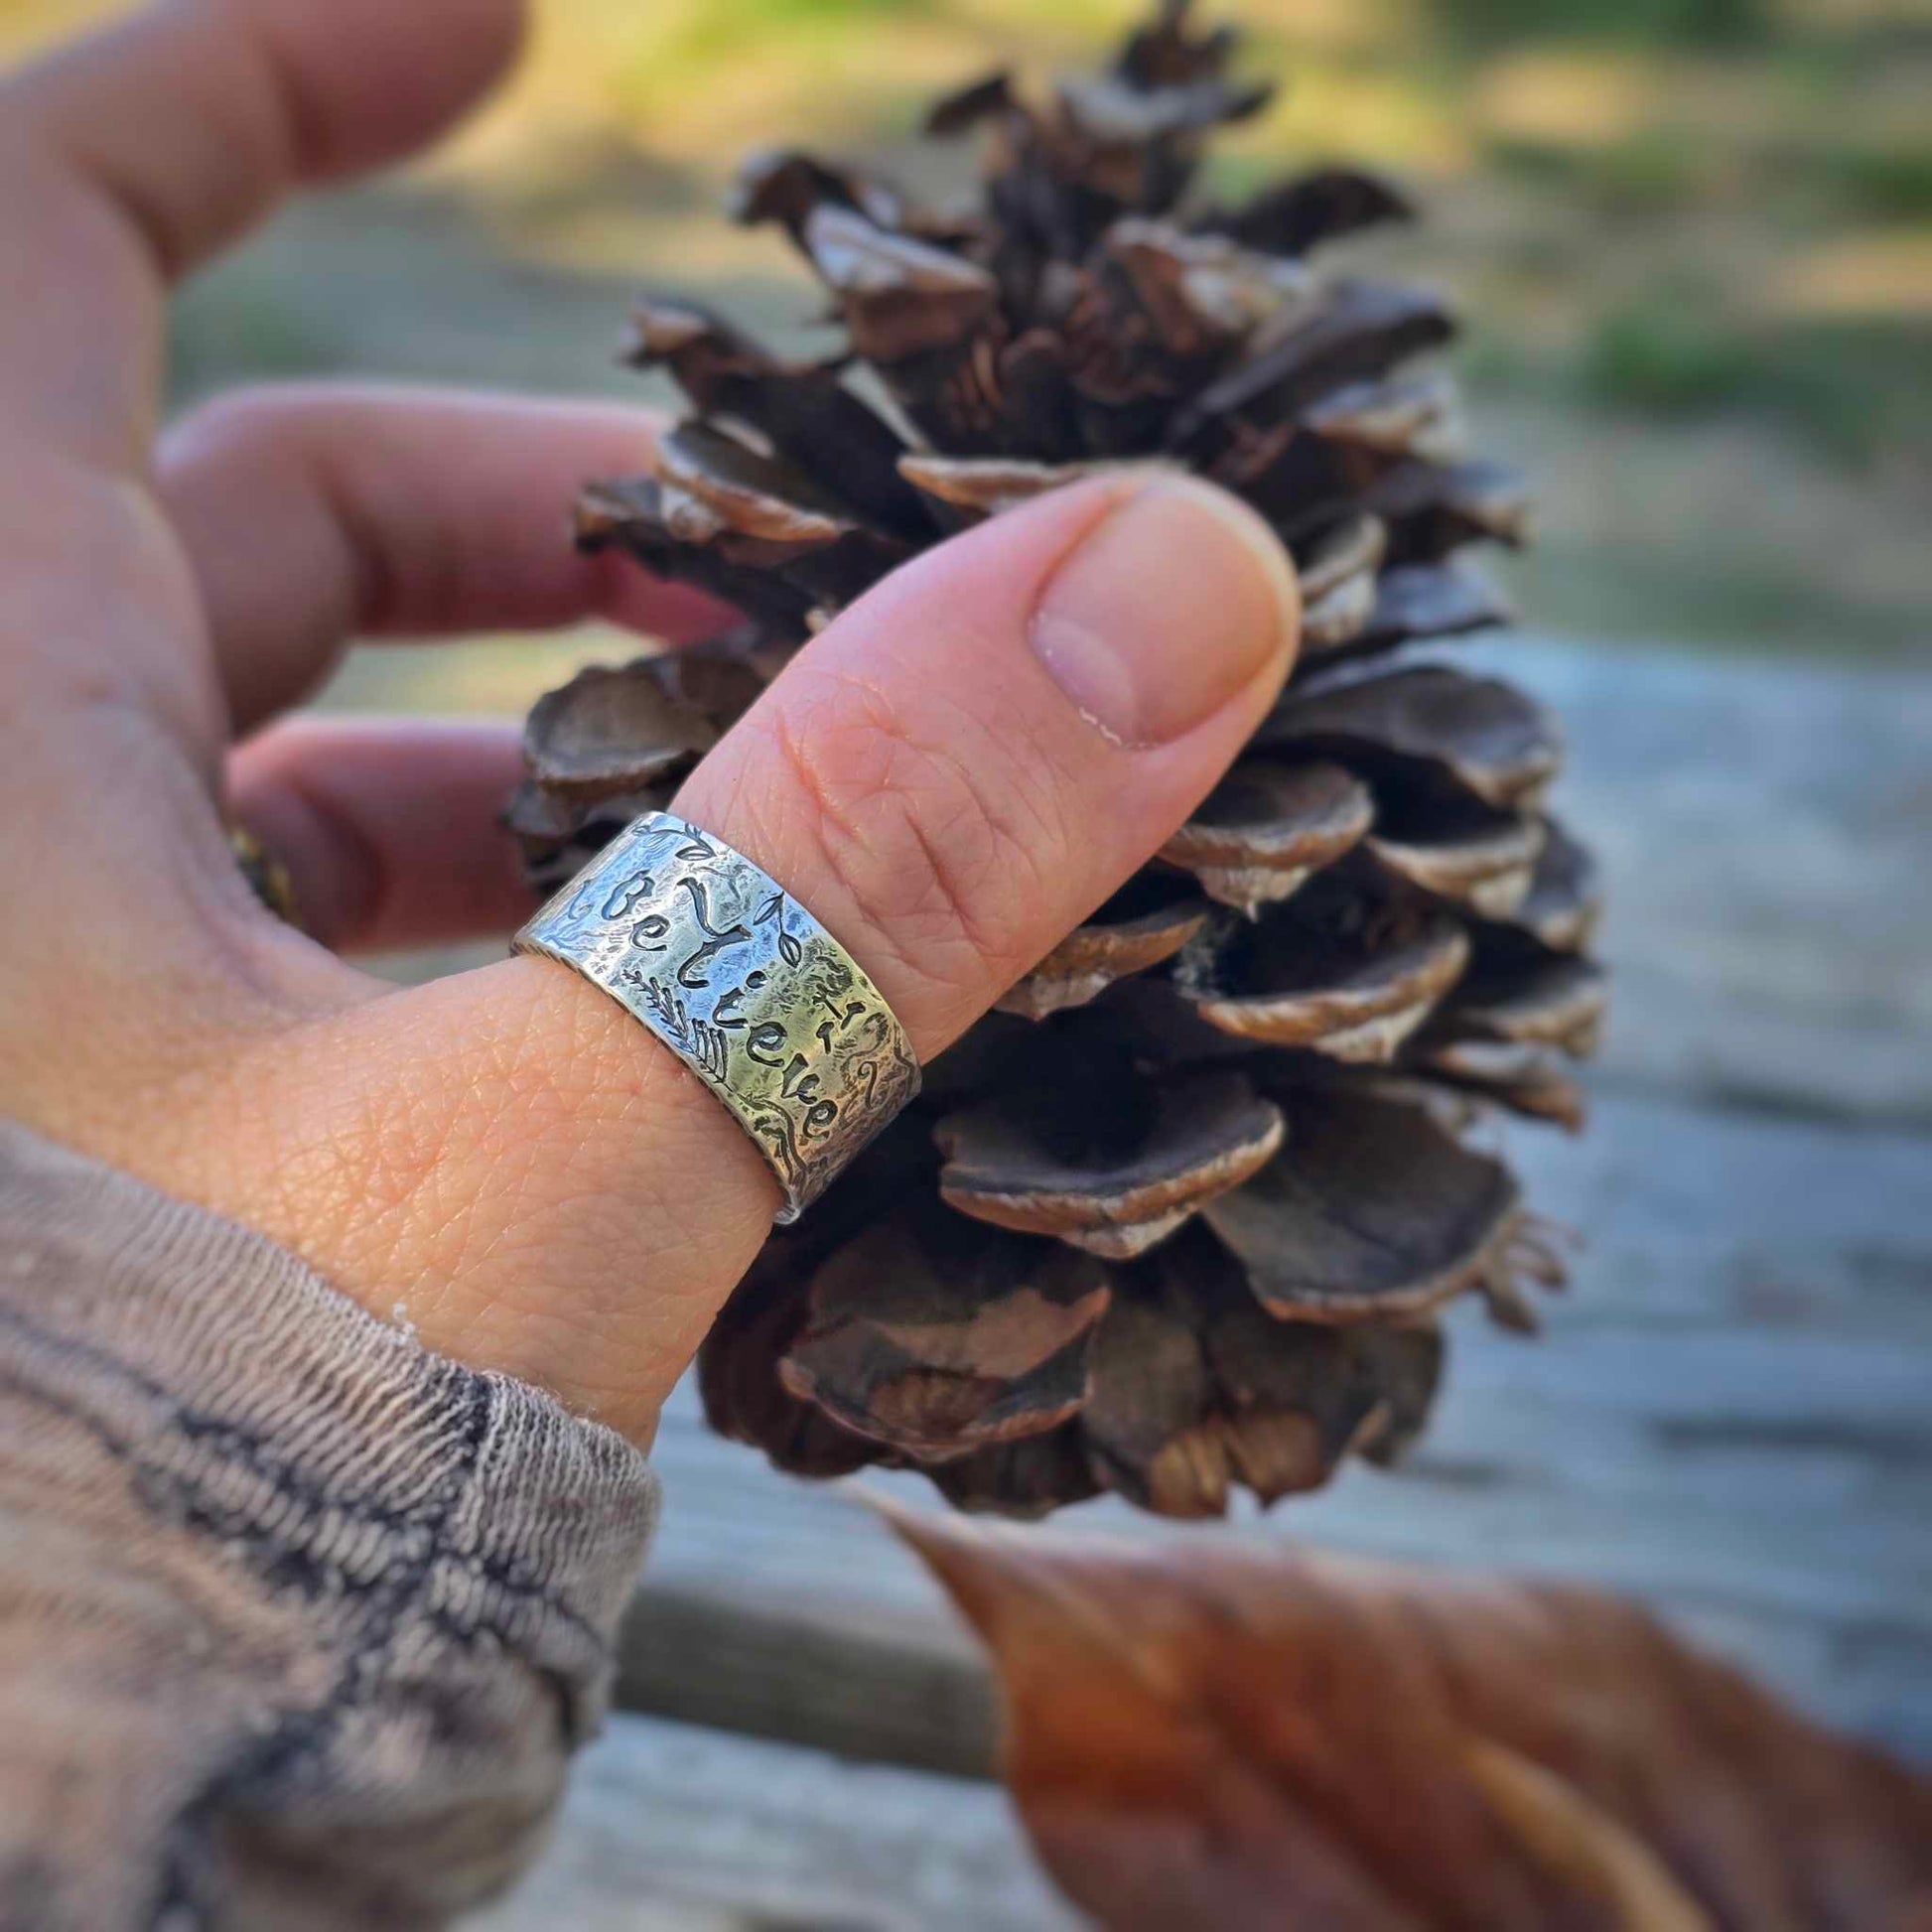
(133, 156)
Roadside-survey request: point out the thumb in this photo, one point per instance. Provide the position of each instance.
(951, 778)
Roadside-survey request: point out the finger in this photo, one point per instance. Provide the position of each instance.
(134, 155)
(196, 117)
(316, 514)
(388, 827)
(950, 778)
(964, 767)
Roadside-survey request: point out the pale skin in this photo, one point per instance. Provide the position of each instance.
(951, 775)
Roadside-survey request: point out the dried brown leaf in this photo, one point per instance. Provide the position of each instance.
(1256, 1739)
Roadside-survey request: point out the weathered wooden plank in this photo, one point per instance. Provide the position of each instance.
(1728, 1418)
(861, 1688)
(1767, 833)
(668, 1829)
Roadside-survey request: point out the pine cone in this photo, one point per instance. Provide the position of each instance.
(1185, 1213)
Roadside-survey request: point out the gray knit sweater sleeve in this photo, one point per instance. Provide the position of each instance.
(299, 1623)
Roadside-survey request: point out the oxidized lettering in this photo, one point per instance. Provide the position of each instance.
(717, 938)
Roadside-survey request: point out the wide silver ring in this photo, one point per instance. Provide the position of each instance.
(745, 987)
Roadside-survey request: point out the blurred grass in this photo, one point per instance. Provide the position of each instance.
(1877, 183)
(1694, 237)
(1851, 389)
(1695, 23)
(1650, 173)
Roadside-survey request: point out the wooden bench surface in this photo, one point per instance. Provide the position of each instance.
(669, 1827)
(1727, 1416)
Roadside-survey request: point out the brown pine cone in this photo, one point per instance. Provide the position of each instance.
(1183, 1214)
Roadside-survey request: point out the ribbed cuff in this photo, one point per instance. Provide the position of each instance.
(324, 1452)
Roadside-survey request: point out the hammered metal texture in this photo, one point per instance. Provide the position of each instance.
(745, 986)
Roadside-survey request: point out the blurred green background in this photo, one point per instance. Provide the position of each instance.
(1693, 237)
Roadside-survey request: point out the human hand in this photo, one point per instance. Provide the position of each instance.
(950, 778)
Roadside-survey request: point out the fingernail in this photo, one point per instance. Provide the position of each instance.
(1175, 601)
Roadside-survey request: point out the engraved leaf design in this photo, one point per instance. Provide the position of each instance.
(789, 950)
(672, 1013)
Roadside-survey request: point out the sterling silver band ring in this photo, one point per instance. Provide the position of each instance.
(745, 986)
